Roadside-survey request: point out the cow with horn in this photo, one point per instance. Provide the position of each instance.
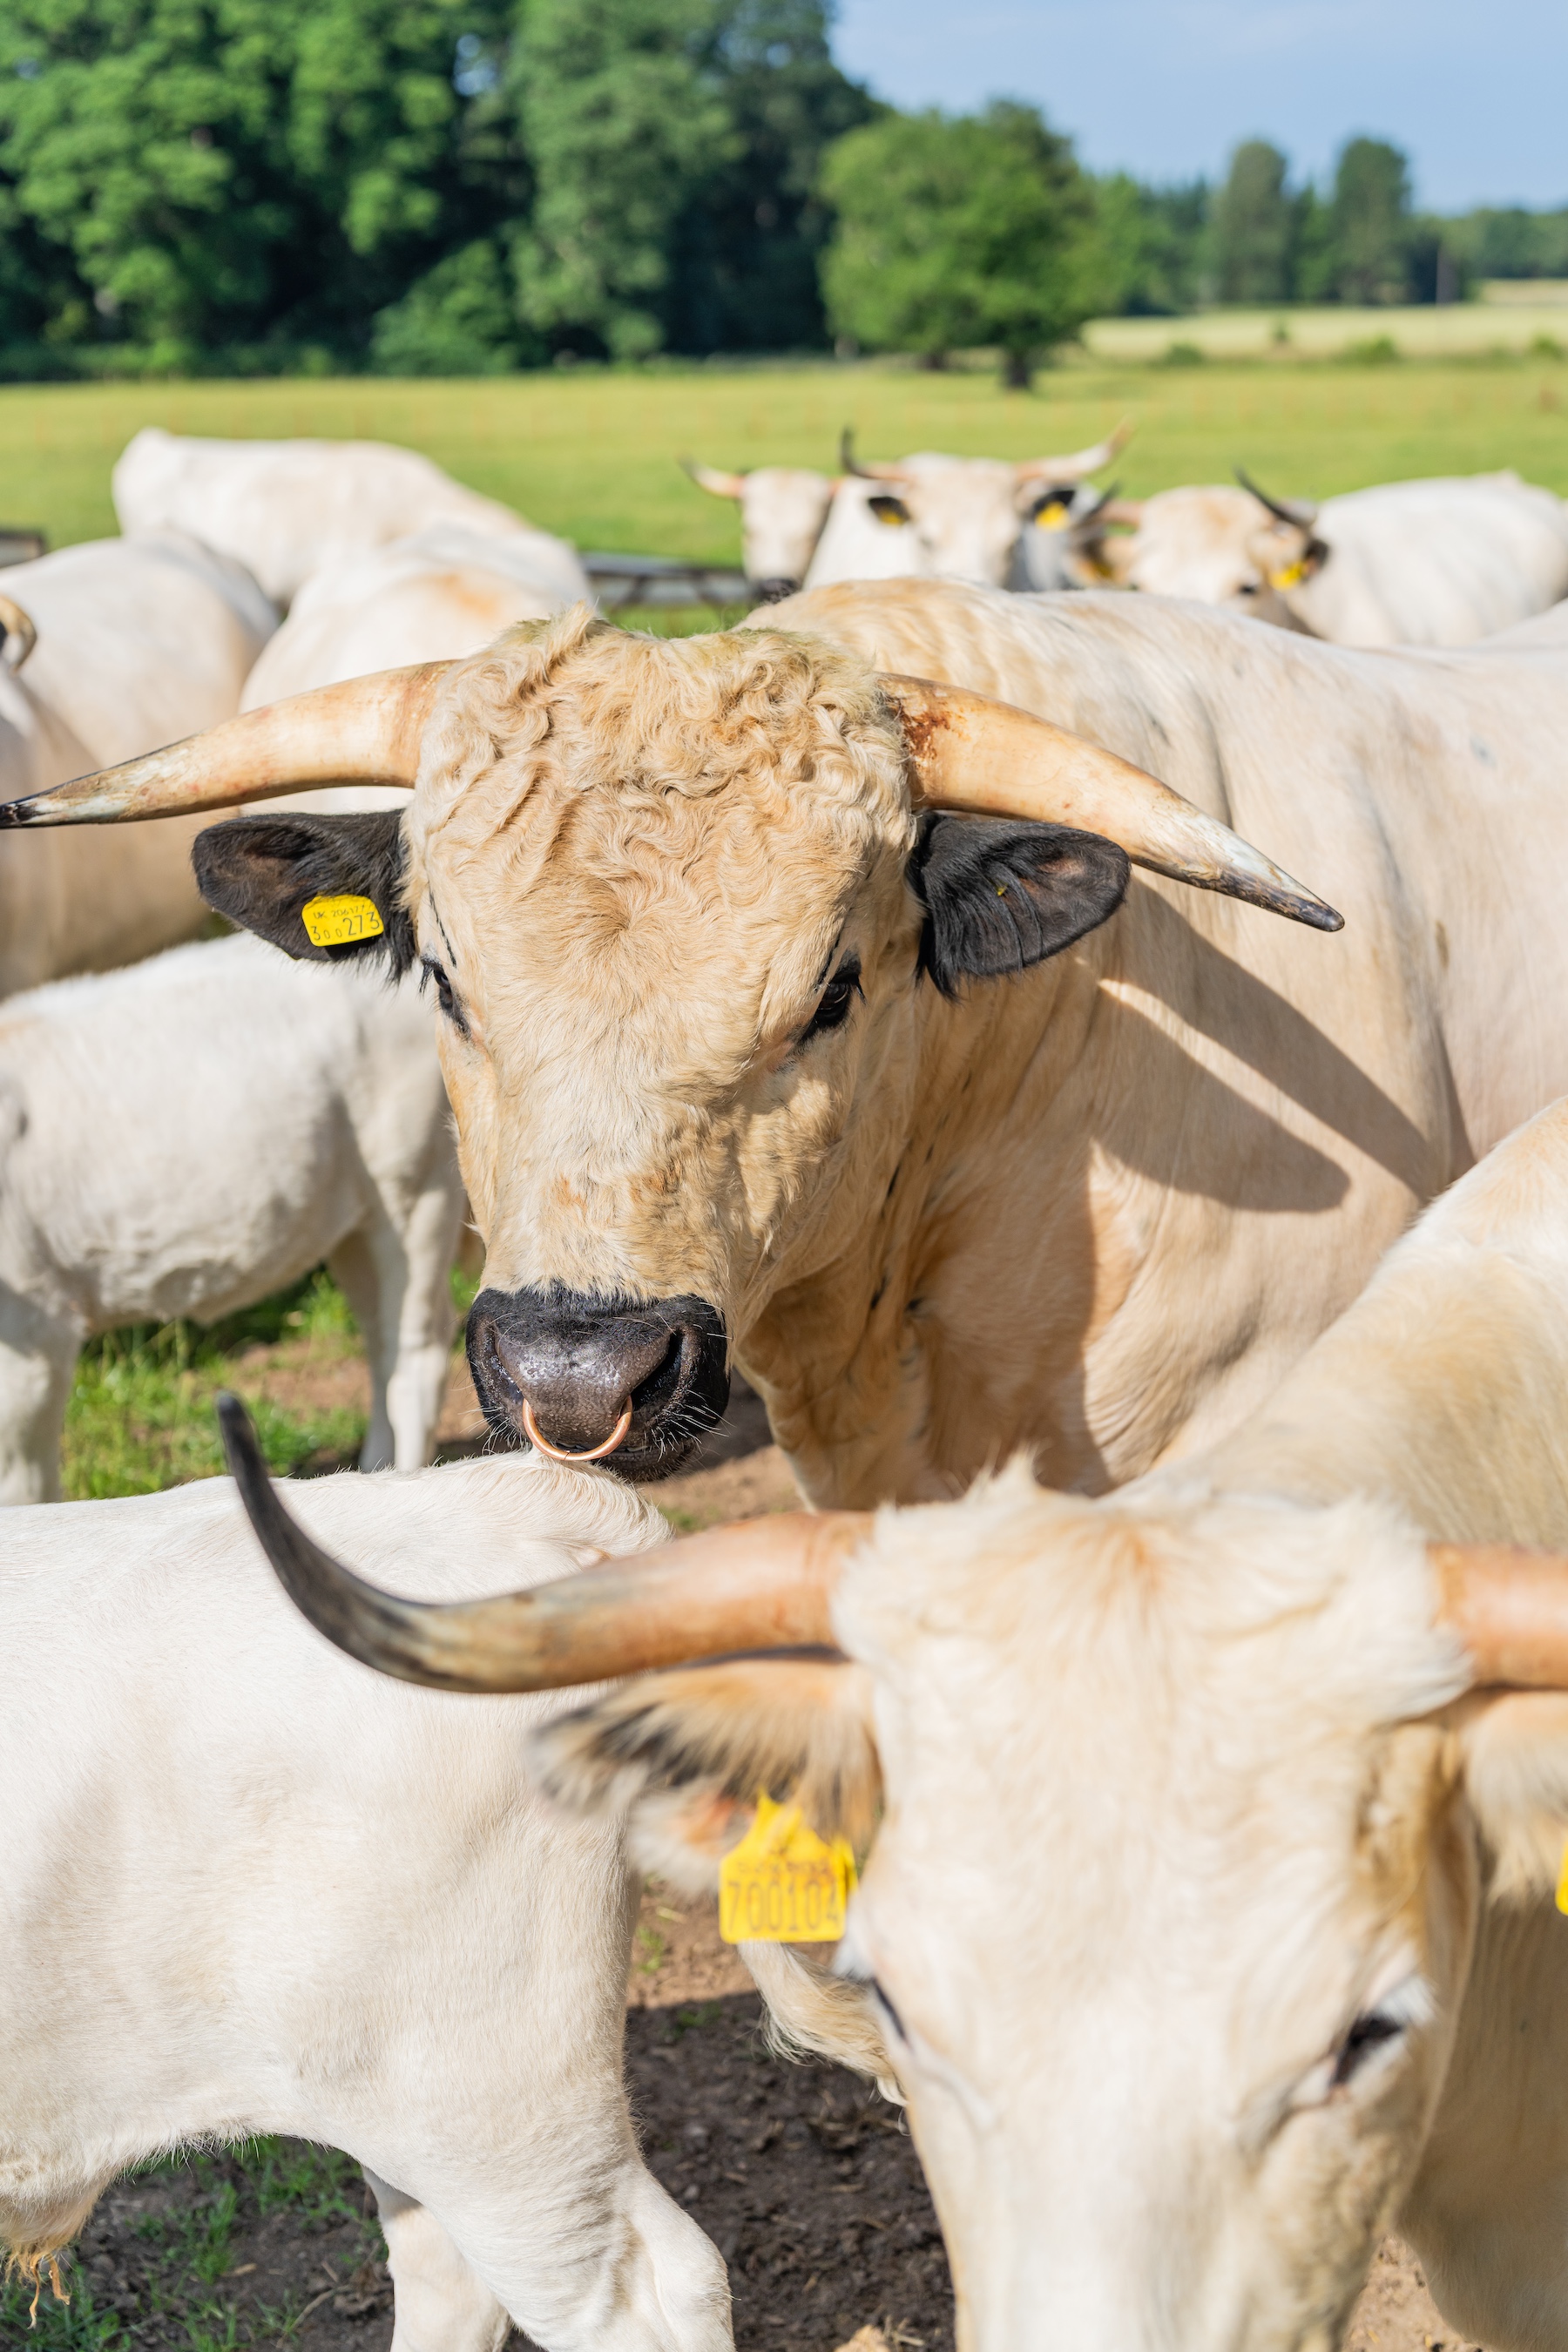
(1259, 1957)
(984, 520)
(782, 510)
(1403, 563)
(848, 996)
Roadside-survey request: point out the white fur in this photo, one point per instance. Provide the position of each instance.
(251, 1887)
(183, 1138)
(140, 642)
(288, 508)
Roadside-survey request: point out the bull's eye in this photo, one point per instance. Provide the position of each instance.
(832, 1008)
(1368, 2034)
(434, 972)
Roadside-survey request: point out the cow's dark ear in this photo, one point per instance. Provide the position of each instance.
(264, 872)
(1000, 896)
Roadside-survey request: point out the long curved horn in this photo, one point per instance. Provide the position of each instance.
(1081, 462)
(18, 634)
(364, 731)
(973, 754)
(709, 479)
(849, 463)
(1508, 1605)
(1300, 513)
(764, 1584)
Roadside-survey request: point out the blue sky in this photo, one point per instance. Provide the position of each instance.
(1475, 90)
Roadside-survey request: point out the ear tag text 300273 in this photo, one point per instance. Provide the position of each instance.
(782, 1885)
(338, 923)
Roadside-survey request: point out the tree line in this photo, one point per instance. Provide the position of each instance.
(472, 186)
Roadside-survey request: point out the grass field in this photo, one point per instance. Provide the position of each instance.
(592, 453)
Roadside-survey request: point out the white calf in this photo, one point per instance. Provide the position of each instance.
(250, 1886)
(183, 1138)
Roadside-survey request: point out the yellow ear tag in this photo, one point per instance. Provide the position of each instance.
(782, 1885)
(1563, 1883)
(338, 922)
(1055, 517)
(1291, 577)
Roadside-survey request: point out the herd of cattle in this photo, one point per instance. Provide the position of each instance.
(898, 995)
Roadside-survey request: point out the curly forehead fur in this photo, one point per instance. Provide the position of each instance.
(621, 727)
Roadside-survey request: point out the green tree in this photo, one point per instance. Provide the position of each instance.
(958, 232)
(745, 252)
(1369, 223)
(1147, 246)
(225, 174)
(1253, 227)
(622, 116)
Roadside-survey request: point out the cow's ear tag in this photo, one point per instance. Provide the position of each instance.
(1563, 1883)
(1289, 575)
(782, 1884)
(338, 923)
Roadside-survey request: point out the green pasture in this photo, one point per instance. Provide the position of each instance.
(591, 452)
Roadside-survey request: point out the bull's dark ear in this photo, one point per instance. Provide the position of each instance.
(1000, 896)
(262, 872)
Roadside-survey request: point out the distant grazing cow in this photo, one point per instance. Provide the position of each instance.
(758, 1042)
(1207, 1924)
(782, 510)
(1407, 563)
(182, 1138)
(138, 642)
(287, 507)
(249, 1887)
(951, 518)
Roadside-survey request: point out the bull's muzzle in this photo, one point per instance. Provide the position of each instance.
(637, 1383)
(772, 591)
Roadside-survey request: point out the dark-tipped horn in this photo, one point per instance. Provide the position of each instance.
(1300, 513)
(764, 1584)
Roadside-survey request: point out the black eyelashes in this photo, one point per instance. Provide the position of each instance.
(837, 999)
(1367, 2034)
(429, 970)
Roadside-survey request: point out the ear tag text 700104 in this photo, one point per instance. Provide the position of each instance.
(782, 1885)
(338, 922)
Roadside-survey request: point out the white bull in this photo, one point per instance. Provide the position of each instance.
(1404, 563)
(251, 1887)
(139, 642)
(783, 511)
(978, 518)
(758, 1042)
(1207, 1925)
(186, 1136)
(287, 507)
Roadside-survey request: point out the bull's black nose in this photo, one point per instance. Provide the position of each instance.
(578, 1367)
(772, 591)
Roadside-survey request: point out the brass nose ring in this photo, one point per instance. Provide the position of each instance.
(558, 1452)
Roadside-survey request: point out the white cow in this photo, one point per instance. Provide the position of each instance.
(286, 507)
(186, 1137)
(1412, 563)
(438, 595)
(783, 511)
(975, 518)
(251, 1887)
(1207, 1925)
(138, 642)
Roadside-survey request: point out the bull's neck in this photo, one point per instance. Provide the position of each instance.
(885, 1369)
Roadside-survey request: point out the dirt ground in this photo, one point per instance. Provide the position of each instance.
(806, 2181)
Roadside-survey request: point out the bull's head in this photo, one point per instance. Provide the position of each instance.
(782, 510)
(1187, 1839)
(684, 904)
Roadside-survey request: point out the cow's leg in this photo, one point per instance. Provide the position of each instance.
(356, 1269)
(38, 1359)
(439, 2304)
(590, 2254)
(403, 1271)
(426, 1318)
